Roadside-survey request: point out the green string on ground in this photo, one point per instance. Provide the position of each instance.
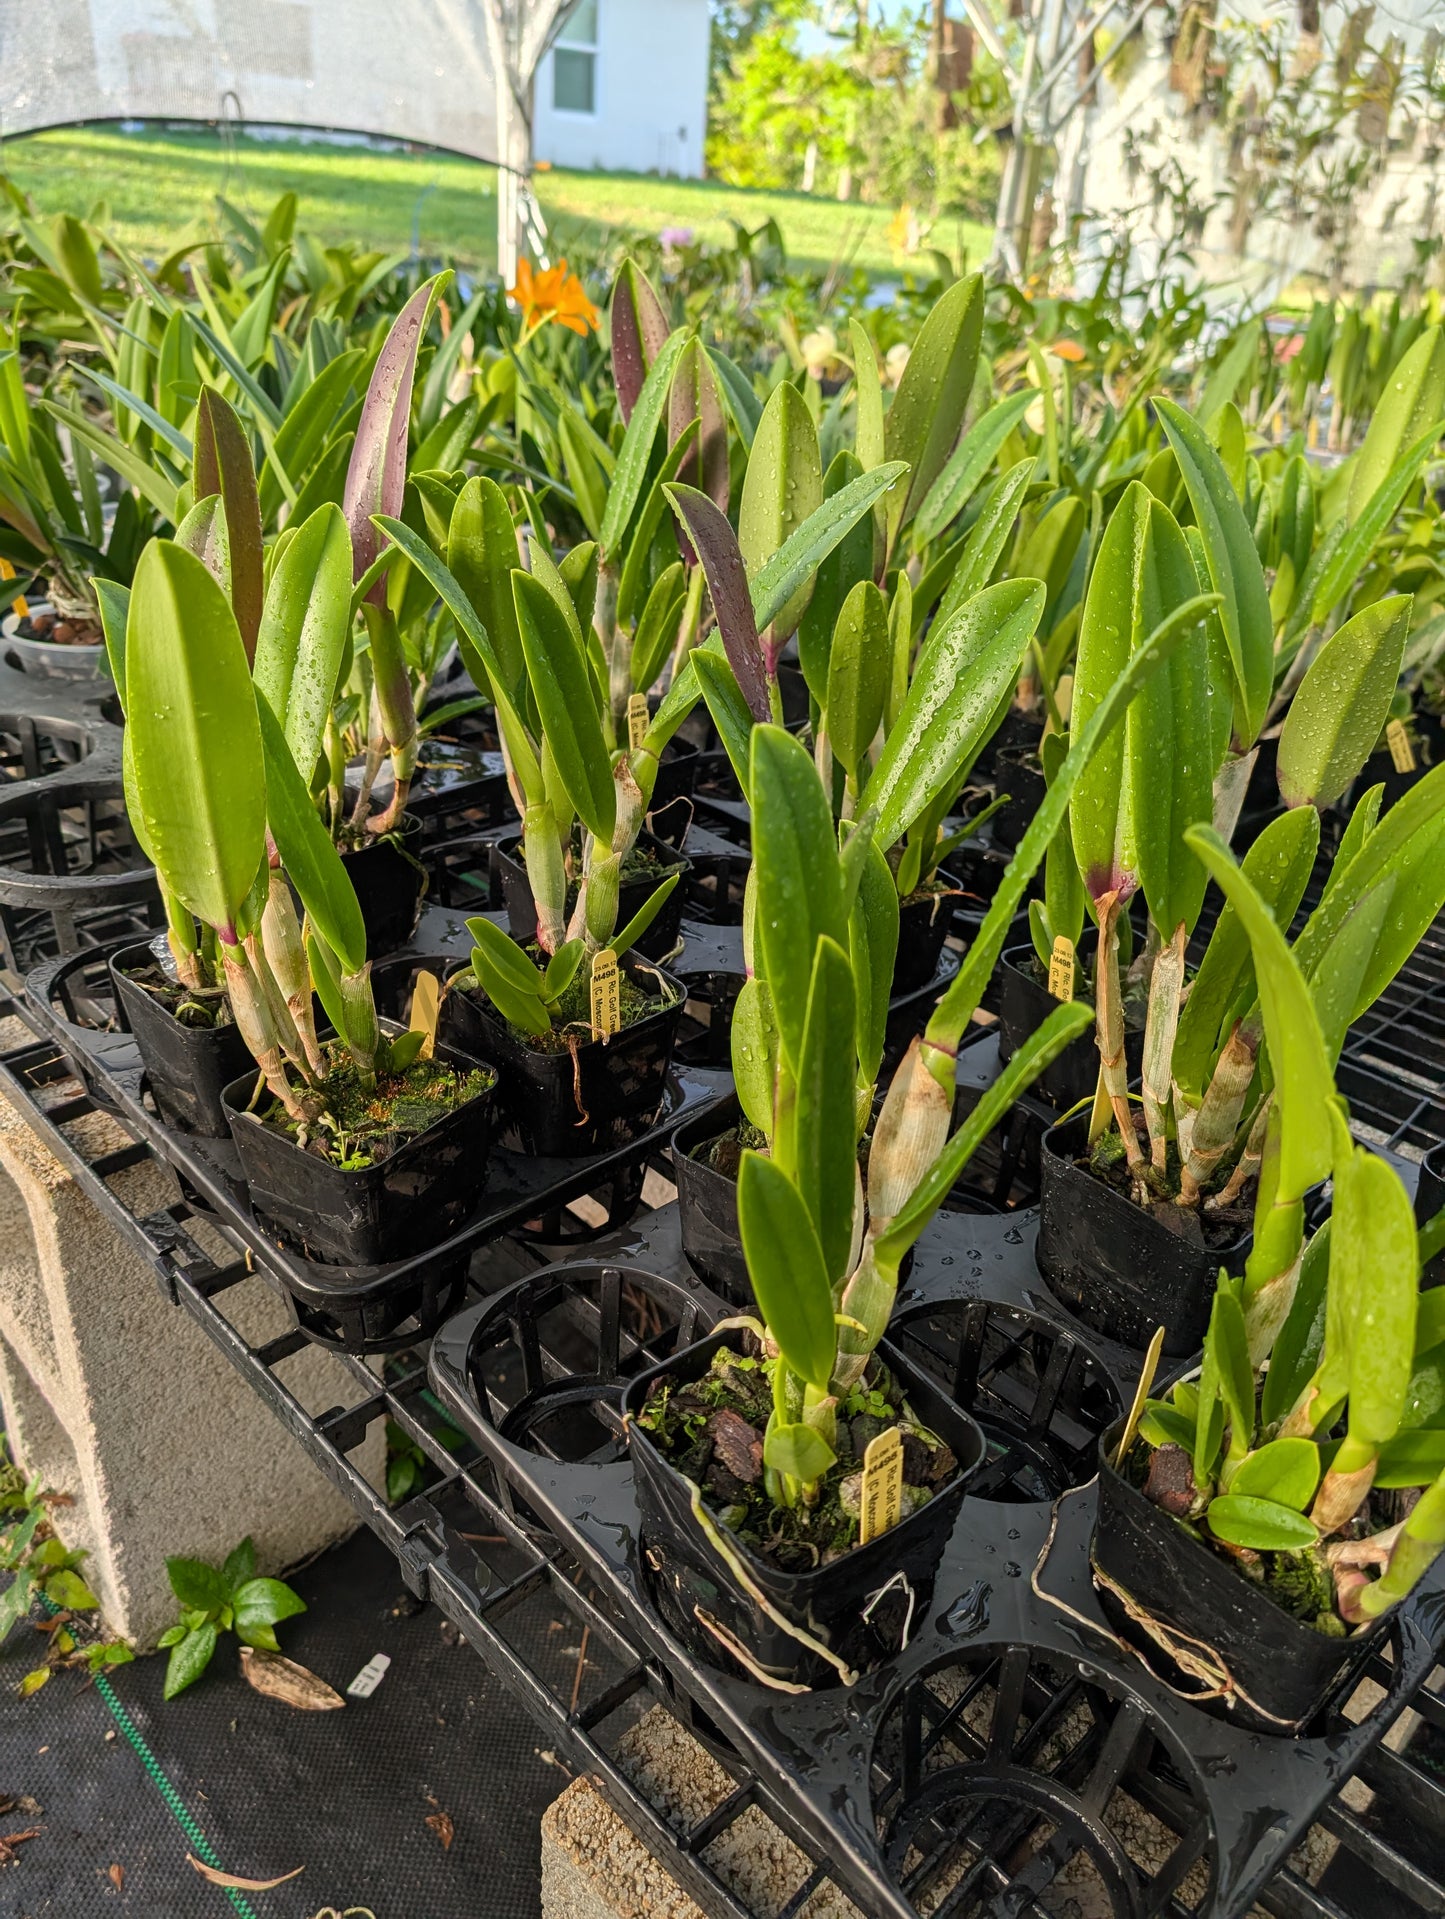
(202, 1847)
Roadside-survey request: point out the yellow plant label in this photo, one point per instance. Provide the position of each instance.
(606, 994)
(424, 1004)
(1401, 751)
(1061, 968)
(882, 1485)
(20, 603)
(636, 719)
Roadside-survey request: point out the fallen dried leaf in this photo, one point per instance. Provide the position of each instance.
(116, 1875)
(215, 1878)
(10, 1840)
(283, 1679)
(441, 1825)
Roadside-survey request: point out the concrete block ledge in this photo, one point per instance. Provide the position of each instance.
(118, 1399)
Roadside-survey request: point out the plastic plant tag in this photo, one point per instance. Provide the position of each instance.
(20, 603)
(1401, 751)
(1061, 968)
(636, 719)
(370, 1676)
(882, 1485)
(424, 1004)
(606, 995)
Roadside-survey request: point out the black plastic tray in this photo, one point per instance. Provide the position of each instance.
(1011, 1745)
(365, 1308)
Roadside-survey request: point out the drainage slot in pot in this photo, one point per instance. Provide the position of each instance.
(31, 746)
(1011, 1780)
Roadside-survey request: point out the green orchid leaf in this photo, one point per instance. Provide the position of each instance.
(798, 1451)
(860, 667)
(730, 712)
(1336, 717)
(1343, 555)
(114, 603)
(195, 741)
(961, 1001)
(1153, 781)
(780, 579)
(630, 474)
(873, 950)
(1062, 1027)
(966, 667)
(850, 561)
(1413, 401)
(869, 430)
(656, 633)
(1299, 1342)
(307, 850)
(562, 686)
(1374, 1261)
(826, 1135)
(507, 977)
(562, 968)
(624, 941)
(1300, 1062)
(987, 538)
(637, 328)
(1410, 1459)
(481, 555)
(308, 425)
(783, 486)
(1261, 1524)
(927, 411)
(799, 885)
(754, 1039)
(1234, 568)
(305, 624)
(967, 465)
(1285, 1470)
(1227, 1343)
(641, 545)
(1278, 865)
(787, 1270)
(1163, 1425)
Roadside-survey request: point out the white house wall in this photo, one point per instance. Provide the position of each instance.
(651, 93)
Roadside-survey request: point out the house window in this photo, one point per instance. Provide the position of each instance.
(574, 61)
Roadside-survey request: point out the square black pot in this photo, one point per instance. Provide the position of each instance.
(1114, 1265)
(923, 923)
(561, 1105)
(188, 1067)
(410, 1201)
(1289, 1670)
(707, 1204)
(390, 883)
(633, 895)
(1429, 1198)
(692, 1579)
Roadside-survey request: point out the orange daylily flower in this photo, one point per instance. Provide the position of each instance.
(1067, 350)
(554, 295)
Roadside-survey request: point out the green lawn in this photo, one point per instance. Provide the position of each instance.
(162, 186)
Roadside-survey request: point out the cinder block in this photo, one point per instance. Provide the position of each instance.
(118, 1398)
(594, 1866)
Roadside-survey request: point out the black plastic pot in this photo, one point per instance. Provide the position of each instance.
(1429, 1199)
(390, 883)
(1024, 1003)
(707, 1204)
(923, 923)
(1287, 1669)
(1116, 1267)
(71, 871)
(707, 1037)
(188, 1067)
(561, 1104)
(1017, 772)
(890, 1579)
(389, 1211)
(656, 942)
(670, 814)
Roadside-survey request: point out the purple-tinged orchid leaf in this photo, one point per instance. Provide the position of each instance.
(717, 548)
(639, 328)
(376, 478)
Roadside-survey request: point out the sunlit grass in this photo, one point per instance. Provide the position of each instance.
(158, 189)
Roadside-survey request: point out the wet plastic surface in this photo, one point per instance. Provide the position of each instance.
(1002, 1750)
